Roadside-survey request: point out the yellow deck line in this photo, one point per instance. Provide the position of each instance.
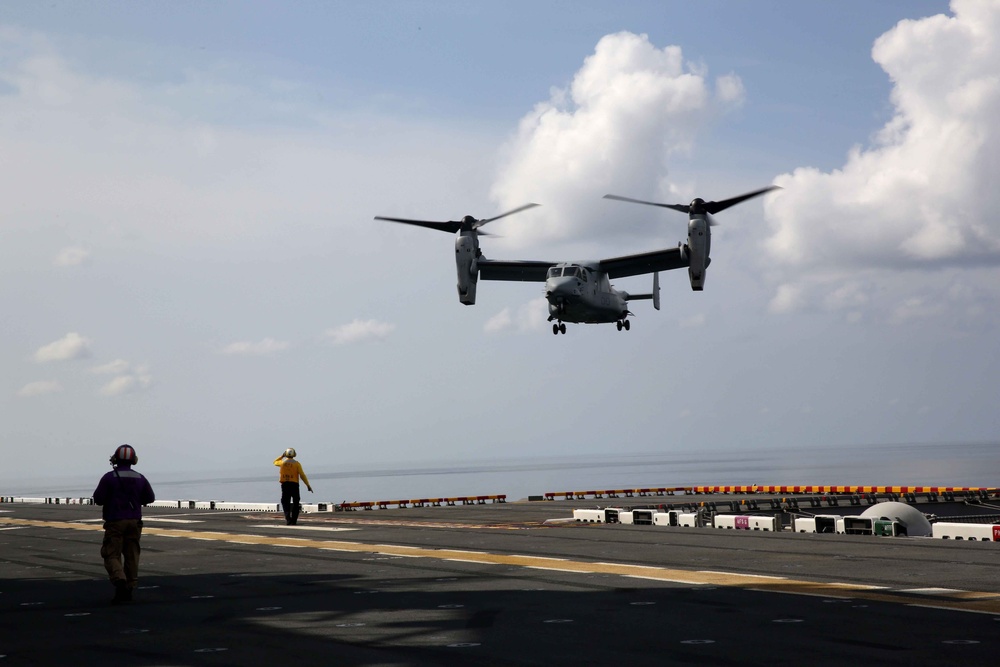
(973, 601)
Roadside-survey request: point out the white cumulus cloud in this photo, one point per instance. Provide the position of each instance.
(71, 257)
(922, 196)
(263, 347)
(132, 379)
(40, 388)
(70, 346)
(627, 109)
(786, 299)
(529, 317)
(116, 367)
(499, 322)
(358, 331)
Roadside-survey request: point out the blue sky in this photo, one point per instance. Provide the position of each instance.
(189, 260)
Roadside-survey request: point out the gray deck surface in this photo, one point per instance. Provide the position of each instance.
(480, 585)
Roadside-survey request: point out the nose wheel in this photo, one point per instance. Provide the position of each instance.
(624, 324)
(559, 328)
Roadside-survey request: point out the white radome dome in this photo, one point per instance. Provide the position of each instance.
(917, 524)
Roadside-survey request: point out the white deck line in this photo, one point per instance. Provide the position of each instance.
(320, 528)
(931, 591)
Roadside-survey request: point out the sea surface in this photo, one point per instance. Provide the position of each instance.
(942, 464)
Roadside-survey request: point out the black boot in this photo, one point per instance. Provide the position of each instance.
(122, 592)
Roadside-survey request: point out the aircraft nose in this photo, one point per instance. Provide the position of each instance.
(561, 287)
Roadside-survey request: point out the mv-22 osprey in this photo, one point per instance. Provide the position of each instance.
(581, 292)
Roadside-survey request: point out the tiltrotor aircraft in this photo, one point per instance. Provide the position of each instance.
(581, 292)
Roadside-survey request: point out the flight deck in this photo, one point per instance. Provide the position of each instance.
(499, 583)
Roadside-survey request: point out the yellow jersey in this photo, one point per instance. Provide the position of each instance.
(290, 470)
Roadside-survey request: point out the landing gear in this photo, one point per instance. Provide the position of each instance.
(624, 324)
(559, 328)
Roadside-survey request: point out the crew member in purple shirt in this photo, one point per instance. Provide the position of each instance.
(122, 493)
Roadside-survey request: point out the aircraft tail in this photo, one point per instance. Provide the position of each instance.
(654, 295)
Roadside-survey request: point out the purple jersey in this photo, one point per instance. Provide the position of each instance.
(122, 492)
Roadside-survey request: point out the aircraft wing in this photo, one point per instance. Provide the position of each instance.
(498, 269)
(647, 262)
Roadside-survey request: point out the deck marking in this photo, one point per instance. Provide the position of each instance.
(793, 592)
(727, 574)
(942, 607)
(148, 518)
(516, 525)
(972, 601)
(285, 527)
(549, 568)
(930, 591)
(673, 580)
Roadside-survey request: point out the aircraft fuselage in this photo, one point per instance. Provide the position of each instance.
(580, 294)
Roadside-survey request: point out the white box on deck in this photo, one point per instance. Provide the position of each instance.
(983, 532)
(668, 518)
(589, 516)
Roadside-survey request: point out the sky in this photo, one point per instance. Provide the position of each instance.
(189, 261)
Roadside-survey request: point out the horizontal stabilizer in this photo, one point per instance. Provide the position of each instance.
(654, 295)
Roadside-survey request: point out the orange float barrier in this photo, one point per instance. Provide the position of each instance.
(772, 490)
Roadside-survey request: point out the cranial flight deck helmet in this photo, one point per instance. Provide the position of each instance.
(290, 453)
(124, 454)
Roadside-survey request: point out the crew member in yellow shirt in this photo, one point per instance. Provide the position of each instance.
(290, 471)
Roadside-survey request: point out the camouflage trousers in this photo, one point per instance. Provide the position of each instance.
(121, 543)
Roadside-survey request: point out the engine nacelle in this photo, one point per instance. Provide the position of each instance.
(466, 265)
(698, 246)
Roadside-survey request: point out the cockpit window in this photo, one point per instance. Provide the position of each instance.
(567, 272)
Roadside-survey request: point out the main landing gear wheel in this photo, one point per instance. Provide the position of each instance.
(558, 328)
(624, 324)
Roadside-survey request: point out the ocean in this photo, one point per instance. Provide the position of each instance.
(941, 464)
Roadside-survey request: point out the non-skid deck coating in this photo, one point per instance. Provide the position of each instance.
(486, 585)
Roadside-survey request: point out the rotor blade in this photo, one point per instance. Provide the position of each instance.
(480, 223)
(717, 206)
(683, 208)
(450, 226)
